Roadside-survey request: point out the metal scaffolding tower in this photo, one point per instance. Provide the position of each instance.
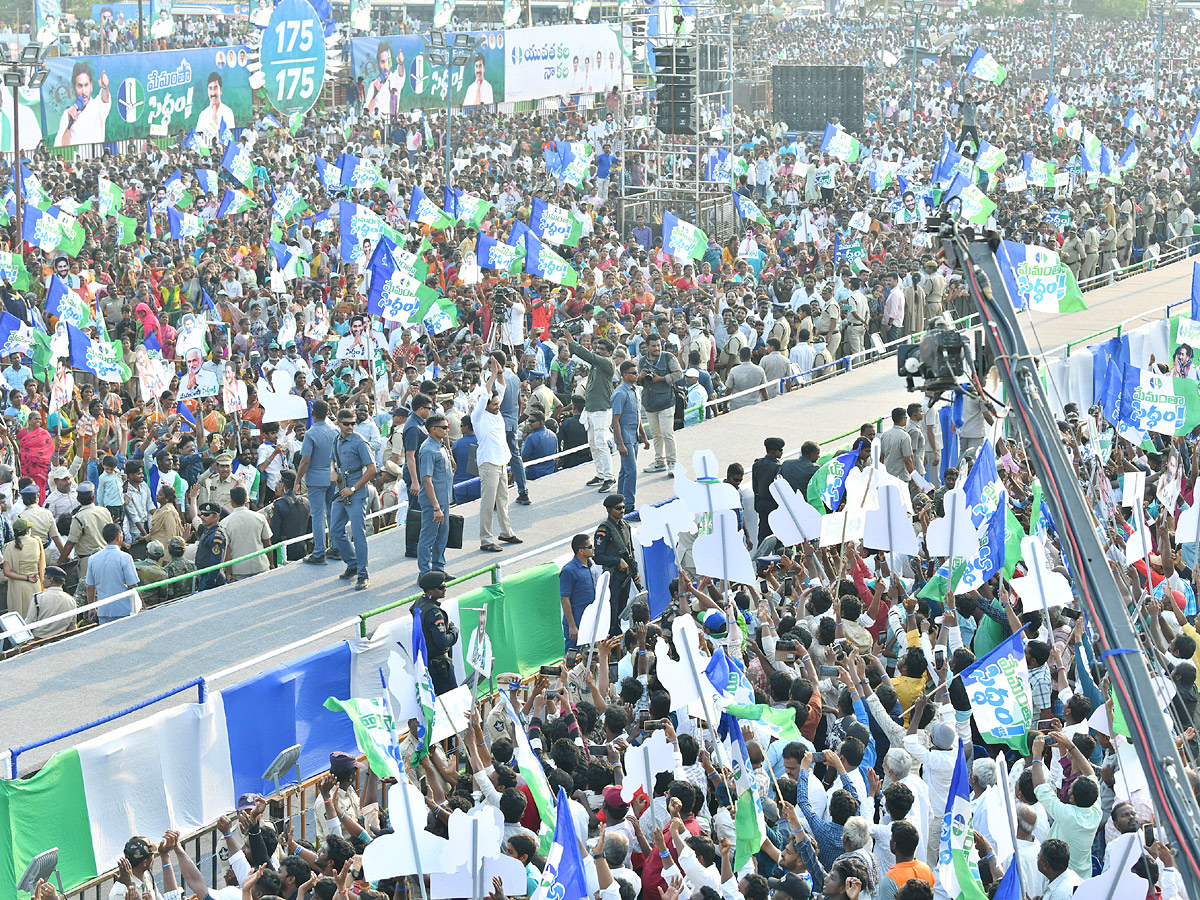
(672, 168)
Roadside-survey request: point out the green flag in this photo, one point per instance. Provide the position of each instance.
(781, 723)
(71, 235)
(1013, 533)
(12, 270)
(374, 730)
(976, 205)
(126, 230)
(749, 827)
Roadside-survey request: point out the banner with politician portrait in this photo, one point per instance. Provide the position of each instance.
(561, 60)
(398, 75)
(99, 99)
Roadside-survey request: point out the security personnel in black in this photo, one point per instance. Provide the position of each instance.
(440, 633)
(289, 517)
(613, 543)
(762, 476)
(211, 546)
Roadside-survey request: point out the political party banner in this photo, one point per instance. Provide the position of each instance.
(96, 99)
(399, 76)
(558, 60)
(49, 17)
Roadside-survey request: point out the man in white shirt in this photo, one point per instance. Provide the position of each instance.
(84, 120)
(383, 93)
(479, 91)
(210, 118)
(491, 458)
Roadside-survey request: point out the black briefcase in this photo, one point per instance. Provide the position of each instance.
(412, 528)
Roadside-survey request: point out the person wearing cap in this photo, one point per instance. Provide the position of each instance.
(439, 632)
(49, 602)
(1072, 251)
(112, 574)
(217, 484)
(393, 451)
(42, 524)
(212, 546)
(150, 572)
(762, 476)
(86, 535)
(345, 768)
(697, 396)
(61, 499)
(178, 565)
(613, 544)
(355, 464)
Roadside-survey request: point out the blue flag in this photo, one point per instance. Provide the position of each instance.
(491, 254)
(997, 687)
(189, 420)
(207, 179)
(563, 877)
(236, 161)
(1196, 291)
(152, 345)
(174, 187)
(982, 486)
(40, 228)
(322, 170)
(64, 304)
(270, 121)
(193, 142)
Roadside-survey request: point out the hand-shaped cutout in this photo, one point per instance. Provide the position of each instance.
(643, 763)
(410, 848)
(705, 496)
(278, 403)
(665, 522)
(953, 534)
(888, 527)
(1041, 588)
(722, 554)
(594, 624)
(795, 520)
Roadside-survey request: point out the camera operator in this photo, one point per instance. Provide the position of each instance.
(658, 373)
(508, 316)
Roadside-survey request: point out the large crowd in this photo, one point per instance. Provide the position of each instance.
(259, 401)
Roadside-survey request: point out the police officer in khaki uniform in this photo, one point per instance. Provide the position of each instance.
(934, 288)
(1072, 252)
(1091, 250)
(42, 526)
(829, 322)
(216, 485)
(1124, 241)
(86, 535)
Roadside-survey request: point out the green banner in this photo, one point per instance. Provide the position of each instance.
(96, 99)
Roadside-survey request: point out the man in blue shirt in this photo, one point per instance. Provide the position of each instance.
(464, 492)
(437, 479)
(356, 467)
(413, 436)
(642, 233)
(110, 573)
(627, 426)
(539, 443)
(316, 456)
(604, 163)
(576, 587)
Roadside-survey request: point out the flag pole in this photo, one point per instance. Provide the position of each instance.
(1009, 814)
(404, 797)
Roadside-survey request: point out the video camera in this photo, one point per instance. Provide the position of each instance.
(941, 359)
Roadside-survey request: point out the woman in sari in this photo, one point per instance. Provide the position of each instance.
(36, 449)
